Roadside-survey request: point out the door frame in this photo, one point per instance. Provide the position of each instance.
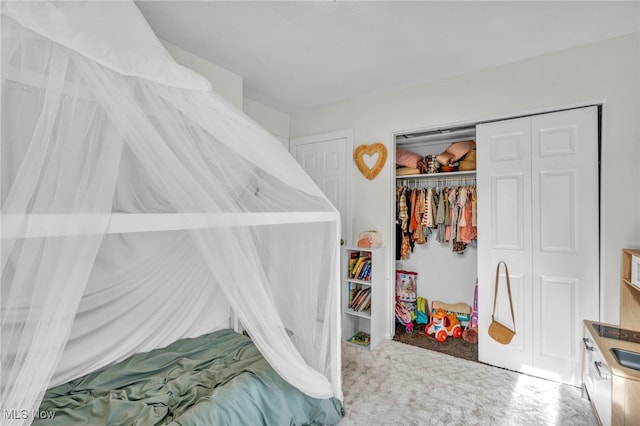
(347, 135)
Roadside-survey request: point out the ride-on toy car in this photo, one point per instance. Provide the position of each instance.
(443, 325)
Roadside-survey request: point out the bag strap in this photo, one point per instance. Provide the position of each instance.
(495, 296)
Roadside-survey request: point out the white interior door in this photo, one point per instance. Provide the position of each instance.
(541, 174)
(324, 157)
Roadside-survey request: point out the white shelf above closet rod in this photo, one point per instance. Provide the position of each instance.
(438, 175)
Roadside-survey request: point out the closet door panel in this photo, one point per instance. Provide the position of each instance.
(554, 338)
(557, 140)
(508, 172)
(565, 236)
(517, 355)
(557, 293)
(504, 233)
(507, 209)
(509, 146)
(557, 211)
(520, 308)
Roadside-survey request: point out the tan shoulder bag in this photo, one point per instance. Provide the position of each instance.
(498, 331)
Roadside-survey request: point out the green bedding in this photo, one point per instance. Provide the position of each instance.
(215, 379)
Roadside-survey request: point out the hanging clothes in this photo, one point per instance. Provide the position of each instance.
(419, 209)
(449, 211)
(440, 215)
(403, 216)
(413, 222)
(468, 231)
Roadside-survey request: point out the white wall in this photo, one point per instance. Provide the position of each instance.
(275, 121)
(230, 86)
(606, 71)
(226, 83)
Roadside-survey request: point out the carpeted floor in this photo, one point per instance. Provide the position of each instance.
(454, 347)
(403, 385)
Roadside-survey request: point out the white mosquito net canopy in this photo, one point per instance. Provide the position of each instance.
(139, 207)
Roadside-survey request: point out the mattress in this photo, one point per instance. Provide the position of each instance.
(215, 379)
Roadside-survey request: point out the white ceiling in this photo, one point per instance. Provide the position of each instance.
(296, 55)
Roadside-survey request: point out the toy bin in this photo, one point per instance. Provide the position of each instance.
(406, 282)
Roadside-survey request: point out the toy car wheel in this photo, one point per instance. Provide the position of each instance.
(441, 336)
(457, 332)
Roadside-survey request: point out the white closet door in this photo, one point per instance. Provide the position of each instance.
(504, 233)
(565, 244)
(541, 174)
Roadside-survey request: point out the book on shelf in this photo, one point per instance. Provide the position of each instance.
(365, 272)
(360, 299)
(353, 260)
(360, 338)
(366, 303)
(359, 266)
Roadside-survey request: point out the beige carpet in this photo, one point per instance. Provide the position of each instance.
(400, 384)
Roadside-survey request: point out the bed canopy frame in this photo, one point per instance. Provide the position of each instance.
(139, 207)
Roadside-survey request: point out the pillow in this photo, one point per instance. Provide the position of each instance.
(459, 149)
(471, 155)
(403, 171)
(468, 162)
(445, 158)
(407, 158)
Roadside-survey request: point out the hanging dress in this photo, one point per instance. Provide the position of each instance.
(440, 215)
(403, 216)
(468, 232)
(451, 229)
(418, 233)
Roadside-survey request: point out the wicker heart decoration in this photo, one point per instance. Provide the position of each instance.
(370, 150)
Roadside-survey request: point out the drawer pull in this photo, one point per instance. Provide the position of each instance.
(587, 346)
(601, 372)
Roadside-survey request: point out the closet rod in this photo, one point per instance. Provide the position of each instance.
(448, 181)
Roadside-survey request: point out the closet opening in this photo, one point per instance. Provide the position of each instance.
(435, 237)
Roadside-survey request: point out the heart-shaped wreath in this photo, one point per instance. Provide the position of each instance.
(370, 150)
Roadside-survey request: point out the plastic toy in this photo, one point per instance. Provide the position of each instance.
(470, 334)
(462, 311)
(443, 325)
(421, 307)
(474, 313)
(406, 286)
(406, 298)
(404, 317)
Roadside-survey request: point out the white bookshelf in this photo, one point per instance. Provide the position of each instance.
(359, 317)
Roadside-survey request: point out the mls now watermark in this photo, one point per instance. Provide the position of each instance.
(16, 414)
